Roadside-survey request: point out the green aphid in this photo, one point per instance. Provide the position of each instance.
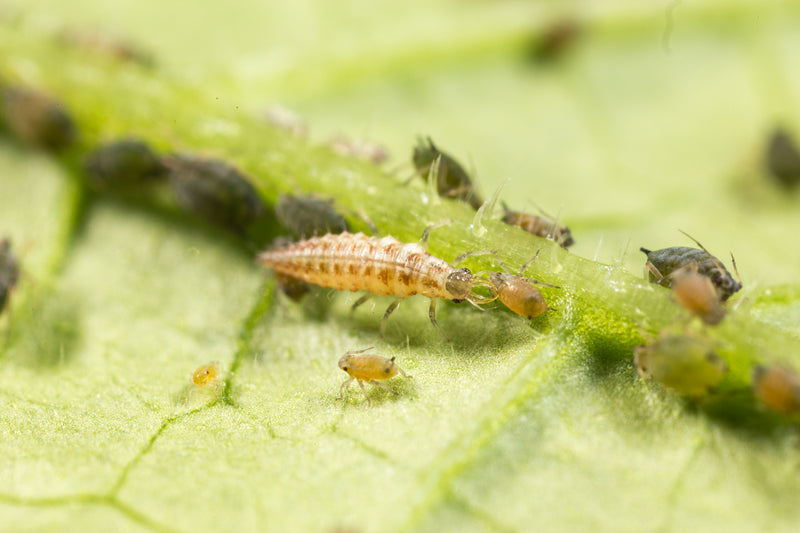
(685, 364)
(123, 164)
(9, 272)
(309, 216)
(668, 260)
(214, 190)
(36, 119)
(782, 159)
(454, 182)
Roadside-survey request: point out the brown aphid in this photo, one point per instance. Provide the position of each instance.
(454, 181)
(214, 190)
(123, 164)
(540, 226)
(555, 39)
(9, 272)
(108, 45)
(370, 368)
(697, 294)
(686, 364)
(37, 119)
(309, 216)
(782, 158)
(777, 388)
(381, 266)
(206, 374)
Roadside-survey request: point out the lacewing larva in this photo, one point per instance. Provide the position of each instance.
(662, 263)
(777, 388)
(381, 266)
(453, 180)
(686, 364)
(214, 190)
(541, 226)
(370, 368)
(9, 272)
(37, 119)
(309, 216)
(122, 164)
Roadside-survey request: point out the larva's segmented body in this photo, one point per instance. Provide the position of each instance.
(382, 266)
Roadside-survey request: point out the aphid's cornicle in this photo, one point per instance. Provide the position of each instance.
(382, 266)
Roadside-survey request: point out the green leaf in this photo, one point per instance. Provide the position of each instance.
(634, 133)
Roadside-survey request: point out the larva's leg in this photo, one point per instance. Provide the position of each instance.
(389, 311)
(432, 316)
(360, 301)
(363, 388)
(383, 386)
(344, 388)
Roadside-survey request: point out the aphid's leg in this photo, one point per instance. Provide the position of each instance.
(526, 265)
(364, 389)
(427, 231)
(542, 283)
(432, 316)
(383, 386)
(344, 388)
(474, 253)
(651, 268)
(389, 311)
(360, 301)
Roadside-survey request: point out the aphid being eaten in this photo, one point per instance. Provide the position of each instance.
(540, 226)
(9, 272)
(697, 294)
(37, 119)
(309, 216)
(123, 164)
(782, 159)
(206, 374)
(777, 388)
(516, 292)
(662, 263)
(214, 190)
(382, 266)
(359, 149)
(370, 368)
(685, 364)
(453, 180)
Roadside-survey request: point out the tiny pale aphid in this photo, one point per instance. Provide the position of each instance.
(777, 388)
(370, 368)
(206, 374)
(697, 295)
(685, 364)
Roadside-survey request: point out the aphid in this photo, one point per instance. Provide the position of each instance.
(286, 120)
(309, 216)
(782, 158)
(214, 190)
(123, 164)
(370, 368)
(540, 226)
(697, 294)
(382, 266)
(108, 45)
(292, 287)
(359, 149)
(206, 374)
(777, 388)
(9, 272)
(662, 263)
(37, 119)
(686, 364)
(555, 39)
(454, 182)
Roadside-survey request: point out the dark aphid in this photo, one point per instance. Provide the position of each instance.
(555, 39)
(686, 364)
(454, 182)
(9, 272)
(123, 164)
(782, 159)
(108, 45)
(37, 119)
(777, 388)
(662, 263)
(215, 190)
(309, 216)
(540, 226)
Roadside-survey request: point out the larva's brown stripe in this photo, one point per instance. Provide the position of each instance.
(382, 266)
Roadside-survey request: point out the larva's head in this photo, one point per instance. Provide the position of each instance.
(459, 284)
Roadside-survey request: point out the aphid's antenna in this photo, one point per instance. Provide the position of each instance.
(360, 351)
(473, 253)
(735, 268)
(714, 259)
